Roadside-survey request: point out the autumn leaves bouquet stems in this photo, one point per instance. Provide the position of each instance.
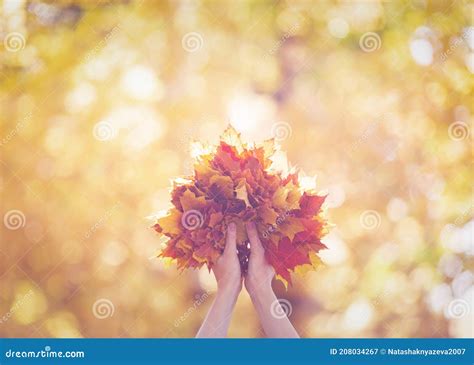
(237, 182)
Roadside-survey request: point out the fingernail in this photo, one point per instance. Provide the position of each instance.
(232, 227)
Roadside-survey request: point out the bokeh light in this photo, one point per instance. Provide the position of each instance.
(101, 103)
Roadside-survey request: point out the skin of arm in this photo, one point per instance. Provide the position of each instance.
(229, 284)
(258, 283)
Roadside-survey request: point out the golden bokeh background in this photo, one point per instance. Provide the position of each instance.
(99, 101)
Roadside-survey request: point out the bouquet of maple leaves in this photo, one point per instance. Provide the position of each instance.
(236, 182)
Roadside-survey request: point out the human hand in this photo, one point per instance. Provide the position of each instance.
(227, 269)
(260, 273)
(229, 284)
(258, 283)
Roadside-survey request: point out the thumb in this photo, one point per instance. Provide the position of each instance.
(255, 243)
(231, 240)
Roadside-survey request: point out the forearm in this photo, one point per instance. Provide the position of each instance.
(274, 325)
(218, 318)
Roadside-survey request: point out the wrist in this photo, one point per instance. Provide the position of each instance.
(259, 289)
(229, 290)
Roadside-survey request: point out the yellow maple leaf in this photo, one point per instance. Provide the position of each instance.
(283, 280)
(279, 197)
(204, 171)
(190, 201)
(316, 263)
(241, 193)
(291, 226)
(268, 215)
(171, 223)
(293, 196)
(225, 185)
(232, 137)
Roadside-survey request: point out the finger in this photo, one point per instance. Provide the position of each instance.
(231, 240)
(255, 243)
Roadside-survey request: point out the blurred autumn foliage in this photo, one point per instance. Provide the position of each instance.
(99, 102)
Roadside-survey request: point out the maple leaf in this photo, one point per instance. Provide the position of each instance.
(267, 214)
(285, 257)
(241, 193)
(190, 201)
(169, 224)
(311, 204)
(291, 226)
(237, 182)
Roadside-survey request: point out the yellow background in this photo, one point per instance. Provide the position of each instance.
(100, 100)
